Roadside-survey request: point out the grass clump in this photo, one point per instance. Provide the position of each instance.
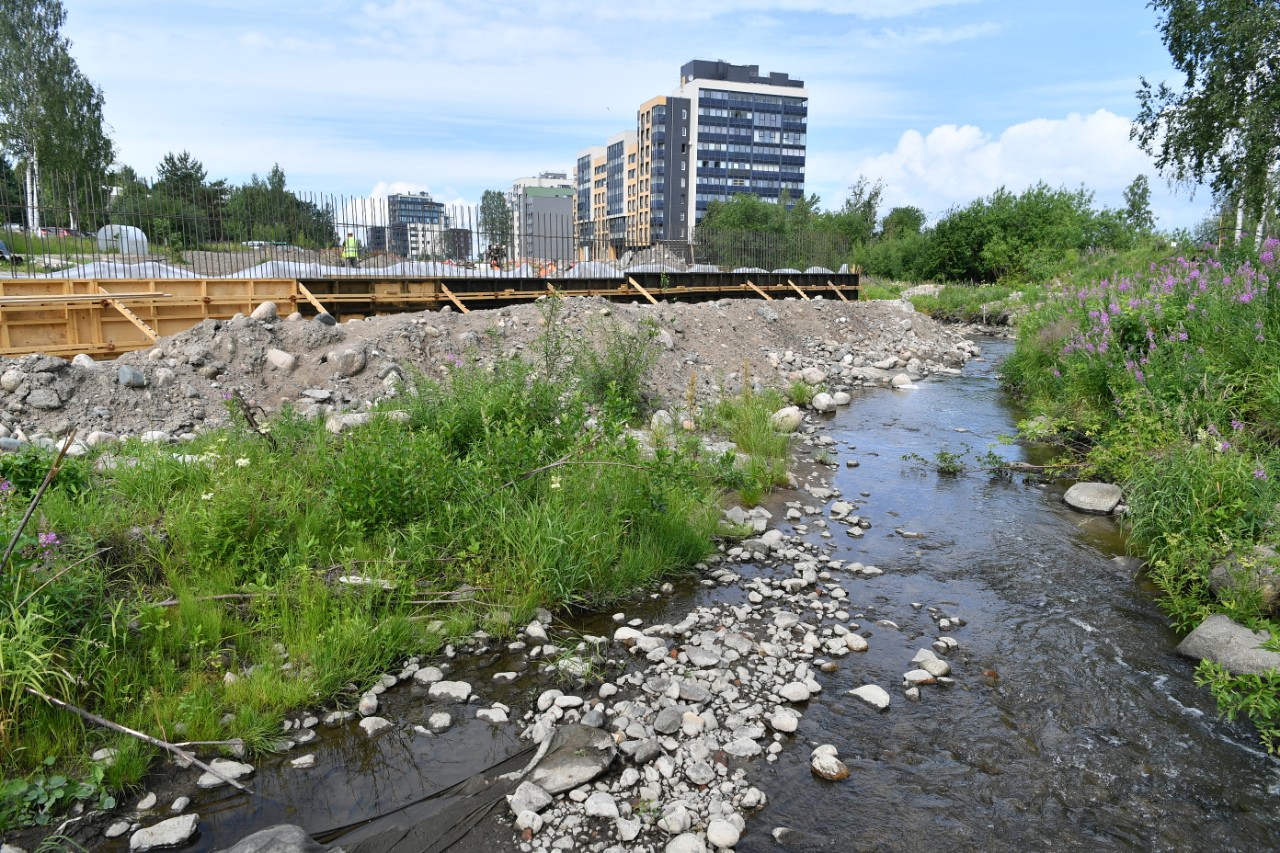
(760, 462)
(1162, 378)
(201, 597)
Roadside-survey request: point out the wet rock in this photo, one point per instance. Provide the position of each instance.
(173, 832)
(722, 833)
(285, 838)
(450, 691)
(876, 697)
(823, 403)
(374, 726)
(115, 830)
(225, 770)
(688, 842)
(146, 803)
(825, 764)
(577, 755)
(1226, 642)
(1100, 498)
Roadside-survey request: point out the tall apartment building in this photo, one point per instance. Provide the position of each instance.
(417, 227)
(726, 130)
(542, 211)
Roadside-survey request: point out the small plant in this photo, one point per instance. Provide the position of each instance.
(39, 799)
(801, 393)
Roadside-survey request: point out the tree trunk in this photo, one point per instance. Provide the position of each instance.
(33, 196)
(1239, 219)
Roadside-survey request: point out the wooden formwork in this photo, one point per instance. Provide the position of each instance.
(105, 317)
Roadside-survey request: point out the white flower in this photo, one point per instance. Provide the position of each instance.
(555, 481)
(207, 496)
(242, 462)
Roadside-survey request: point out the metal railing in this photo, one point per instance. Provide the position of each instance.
(85, 229)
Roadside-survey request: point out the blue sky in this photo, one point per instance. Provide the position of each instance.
(942, 100)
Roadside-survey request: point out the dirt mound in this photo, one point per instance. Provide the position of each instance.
(182, 385)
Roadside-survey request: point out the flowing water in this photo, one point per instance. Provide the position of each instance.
(1072, 725)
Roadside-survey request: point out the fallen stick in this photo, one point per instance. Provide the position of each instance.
(35, 501)
(116, 727)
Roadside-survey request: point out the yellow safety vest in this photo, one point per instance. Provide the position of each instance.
(351, 249)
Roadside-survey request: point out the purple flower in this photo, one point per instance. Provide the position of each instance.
(1237, 425)
(1259, 473)
(49, 540)
(1224, 446)
(5, 487)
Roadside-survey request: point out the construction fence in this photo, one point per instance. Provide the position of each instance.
(85, 229)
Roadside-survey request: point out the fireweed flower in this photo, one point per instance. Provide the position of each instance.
(1259, 473)
(49, 540)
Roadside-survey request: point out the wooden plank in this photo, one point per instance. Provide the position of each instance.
(130, 316)
(804, 295)
(832, 284)
(646, 293)
(302, 288)
(449, 293)
(751, 284)
(73, 298)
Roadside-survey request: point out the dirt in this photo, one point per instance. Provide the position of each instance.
(182, 385)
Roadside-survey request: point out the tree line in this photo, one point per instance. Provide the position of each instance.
(1005, 235)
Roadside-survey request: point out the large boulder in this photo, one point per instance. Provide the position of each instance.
(1230, 644)
(577, 755)
(285, 838)
(1101, 498)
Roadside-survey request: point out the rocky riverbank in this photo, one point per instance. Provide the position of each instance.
(693, 702)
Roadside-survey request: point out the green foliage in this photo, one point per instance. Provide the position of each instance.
(959, 304)
(801, 393)
(497, 222)
(613, 373)
(1161, 377)
(487, 482)
(1256, 696)
(1223, 124)
(37, 800)
(763, 452)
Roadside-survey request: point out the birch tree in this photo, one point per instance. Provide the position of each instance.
(1223, 124)
(50, 113)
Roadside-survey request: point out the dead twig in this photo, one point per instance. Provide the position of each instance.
(230, 596)
(35, 501)
(145, 738)
(566, 461)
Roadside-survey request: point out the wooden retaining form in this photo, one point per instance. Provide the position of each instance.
(105, 317)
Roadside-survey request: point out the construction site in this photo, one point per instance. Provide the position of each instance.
(65, 292)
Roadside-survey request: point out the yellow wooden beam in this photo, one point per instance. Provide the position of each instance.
(803, 295)
(843, 298)
(637, 286)
(73, 298)
(455, 300)
(751, 284)
(315, 303)
(129, 315)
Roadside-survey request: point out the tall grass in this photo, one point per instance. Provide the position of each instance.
(499, 487)
(1163, 377)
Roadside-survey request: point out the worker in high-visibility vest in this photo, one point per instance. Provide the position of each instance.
(351, 249)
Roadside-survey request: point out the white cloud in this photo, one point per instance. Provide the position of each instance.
(955, 164)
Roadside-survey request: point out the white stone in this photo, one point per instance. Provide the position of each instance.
(368, 705)
(529, 820)
(721, 833)
(688, 842)
(784, 720)
(875, 696)
(303, 761)
(601, 804)
(450, 691)
(374, 726)
(528, 797)
(225, 770)
(794, 691)
(173, 832)
(281, 360)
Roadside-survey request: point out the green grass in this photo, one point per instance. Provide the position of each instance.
(1161, 376)
(763, 452)
(495, 486)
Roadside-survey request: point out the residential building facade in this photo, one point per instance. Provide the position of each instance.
(542, 210)
(726, 130)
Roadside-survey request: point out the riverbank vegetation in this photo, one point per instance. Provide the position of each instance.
(1162, 377)
(201, 593)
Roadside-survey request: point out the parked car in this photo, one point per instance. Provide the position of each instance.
(9, 257)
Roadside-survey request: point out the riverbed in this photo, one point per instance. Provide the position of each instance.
(1071, 724)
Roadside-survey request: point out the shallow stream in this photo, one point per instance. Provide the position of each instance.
(1072, 725)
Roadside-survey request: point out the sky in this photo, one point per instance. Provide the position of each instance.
(943, 101)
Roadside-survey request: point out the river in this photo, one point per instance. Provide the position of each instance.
(1072, 725)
